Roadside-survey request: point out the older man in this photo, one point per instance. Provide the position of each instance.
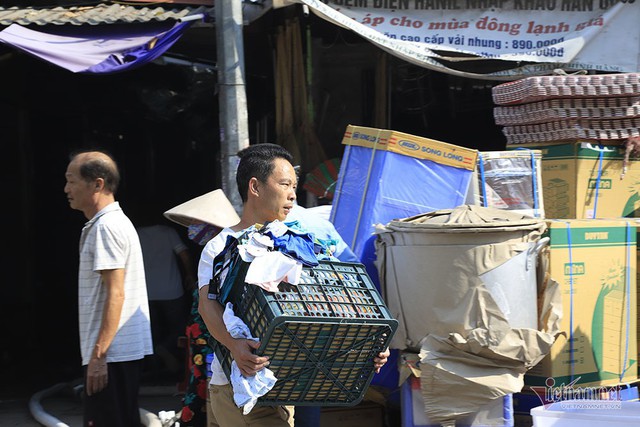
(115, 330)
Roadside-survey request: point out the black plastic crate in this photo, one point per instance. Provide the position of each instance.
(321, 335)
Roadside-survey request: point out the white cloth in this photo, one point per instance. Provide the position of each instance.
(246, 391)
(277, 228)
(271, 268)
(268, 268)
(257, 245)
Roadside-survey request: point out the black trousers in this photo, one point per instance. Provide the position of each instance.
(117, 404)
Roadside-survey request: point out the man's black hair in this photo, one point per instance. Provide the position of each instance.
(258, 161)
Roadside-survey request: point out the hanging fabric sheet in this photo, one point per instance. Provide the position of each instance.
(101, 49)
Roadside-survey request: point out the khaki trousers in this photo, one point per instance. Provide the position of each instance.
(223, 412)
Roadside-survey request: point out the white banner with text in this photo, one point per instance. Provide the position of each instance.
(602, 35)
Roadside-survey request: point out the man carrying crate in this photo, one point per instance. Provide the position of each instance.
(267, 183)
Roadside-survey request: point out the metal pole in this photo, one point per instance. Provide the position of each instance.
(234, 133)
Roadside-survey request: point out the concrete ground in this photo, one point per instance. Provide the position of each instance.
(62, 408)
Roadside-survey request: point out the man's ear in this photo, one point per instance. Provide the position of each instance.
(253, 186)
(99, 184)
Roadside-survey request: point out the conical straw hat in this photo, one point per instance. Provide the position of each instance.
(212, 208)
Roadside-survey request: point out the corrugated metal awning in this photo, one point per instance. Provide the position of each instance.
(97, 15)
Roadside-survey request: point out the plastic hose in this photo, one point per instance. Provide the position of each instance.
(147, 418)
(35, 407)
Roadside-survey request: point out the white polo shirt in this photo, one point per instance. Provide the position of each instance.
(110, 241)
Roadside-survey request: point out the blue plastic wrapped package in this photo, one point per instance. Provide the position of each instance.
(510, 180)
(387, 175)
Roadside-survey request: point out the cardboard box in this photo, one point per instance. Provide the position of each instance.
(638, 284)
(583, 180)
(367, 414)
(510, 180)
(594, 261)
(411, 145)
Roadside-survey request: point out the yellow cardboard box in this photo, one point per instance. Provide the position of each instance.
(411, 145)
(594, 261)
(584, 180)
(638, 285)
